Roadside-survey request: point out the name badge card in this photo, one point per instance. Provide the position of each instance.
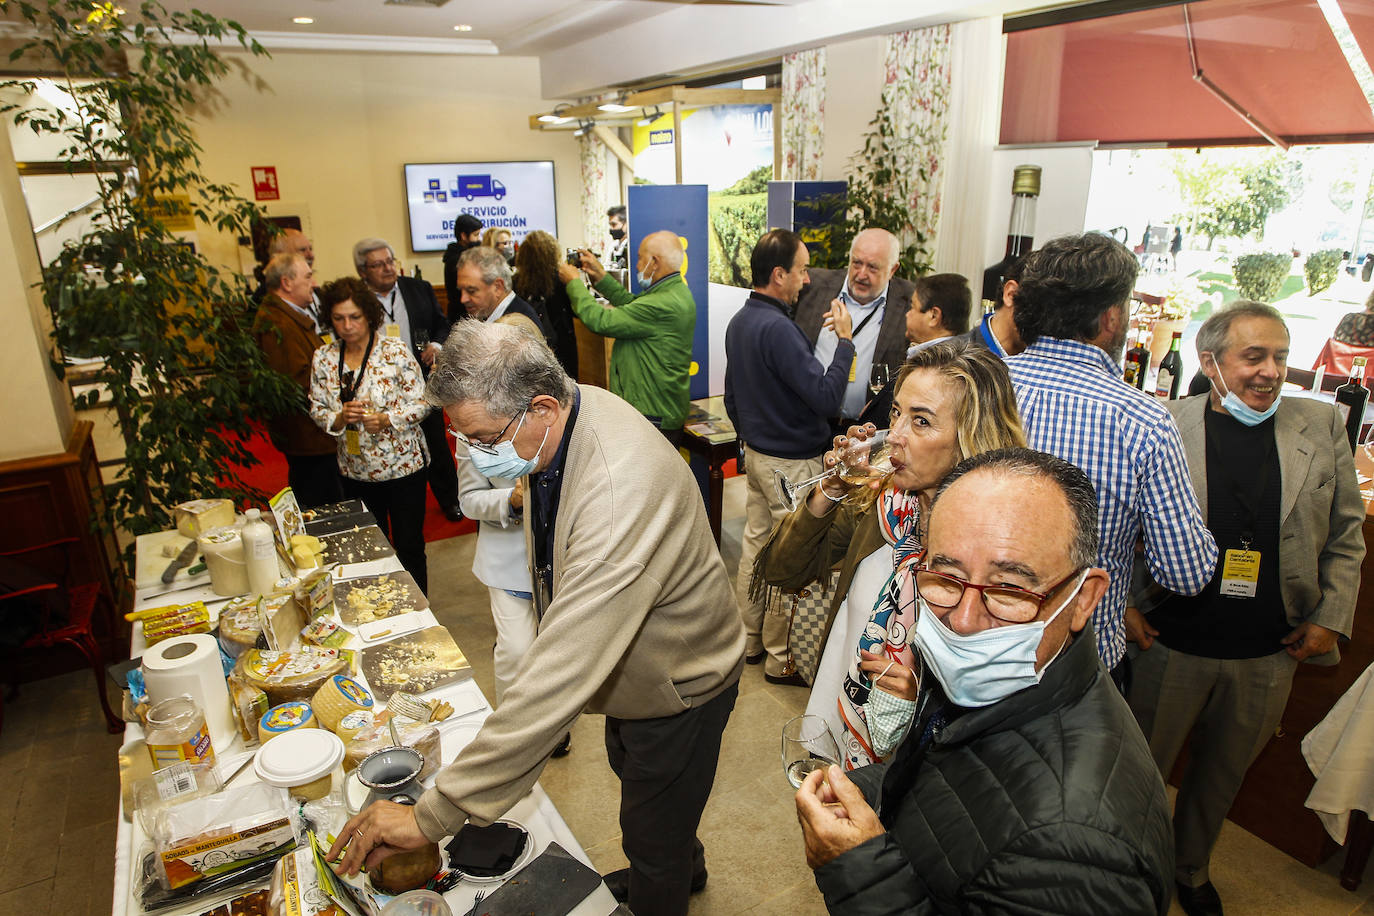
(352, 444)
(1240, 573)
(393, 330)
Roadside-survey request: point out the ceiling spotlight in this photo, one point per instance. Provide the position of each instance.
(650, 117)
(582, 128)
(462, 28)
(302, 20)
(553, 119)
(612, 106)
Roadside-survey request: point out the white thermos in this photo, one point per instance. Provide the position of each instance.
(260, 554)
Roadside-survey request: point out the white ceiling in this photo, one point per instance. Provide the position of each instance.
(524, 27)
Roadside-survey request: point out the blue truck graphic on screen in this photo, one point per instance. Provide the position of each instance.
(473, 186)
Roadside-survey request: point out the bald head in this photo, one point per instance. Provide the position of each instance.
(660, 255)
(872, 262)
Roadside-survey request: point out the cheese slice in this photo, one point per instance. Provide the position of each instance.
(198, 516)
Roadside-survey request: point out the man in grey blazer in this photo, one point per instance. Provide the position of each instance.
(1276, 482)
(877, 301)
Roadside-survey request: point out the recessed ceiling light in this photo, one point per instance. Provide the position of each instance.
(462, 28)
(302, 20)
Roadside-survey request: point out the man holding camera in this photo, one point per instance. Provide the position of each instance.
(652, 358)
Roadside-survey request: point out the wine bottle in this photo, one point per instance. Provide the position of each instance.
(1137, 361)
(1170, 368)
(1025, 191)
(1351, 399)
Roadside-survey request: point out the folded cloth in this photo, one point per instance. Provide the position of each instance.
(485, 852)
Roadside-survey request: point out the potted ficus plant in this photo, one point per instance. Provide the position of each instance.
(179, 366)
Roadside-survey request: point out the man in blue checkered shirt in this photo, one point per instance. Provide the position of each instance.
(1073, 309)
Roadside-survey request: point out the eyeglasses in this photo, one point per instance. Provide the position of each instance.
(1005, 602)
(373, 265)
(486, 448)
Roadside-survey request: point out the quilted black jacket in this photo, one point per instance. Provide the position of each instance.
(1046, 802)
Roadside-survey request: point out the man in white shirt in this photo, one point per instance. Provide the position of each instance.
(877, 303)
(484, 283)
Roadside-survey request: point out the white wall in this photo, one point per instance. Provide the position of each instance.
(854, 83)
(340, 126)
(1064, 180)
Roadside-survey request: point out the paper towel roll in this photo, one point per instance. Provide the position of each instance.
(190, 665)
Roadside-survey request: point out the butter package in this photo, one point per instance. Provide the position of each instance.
(204, 837)
(176, 620)
(198, 516)
(324, 632)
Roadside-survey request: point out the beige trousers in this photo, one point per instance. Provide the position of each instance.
(762, 511)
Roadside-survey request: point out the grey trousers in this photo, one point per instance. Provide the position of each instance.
(762, 511)
(1232, 707)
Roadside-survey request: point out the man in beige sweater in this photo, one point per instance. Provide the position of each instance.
(637, 619)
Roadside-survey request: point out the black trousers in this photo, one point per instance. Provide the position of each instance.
(399, 506)
(666, 768)
(443, 473)
(315, 479)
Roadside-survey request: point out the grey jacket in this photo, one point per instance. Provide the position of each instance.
(1321, 513)
(1045, 802)
(642, 623)
(825, 285)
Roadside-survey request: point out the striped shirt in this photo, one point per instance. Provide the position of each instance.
(1075, 405)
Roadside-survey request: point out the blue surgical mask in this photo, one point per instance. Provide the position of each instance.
(507, 462)
(645, 280)
(888, 718)
(979, 669)
(1238, 408)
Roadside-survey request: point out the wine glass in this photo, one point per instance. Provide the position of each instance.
(877, 378)
(860, 460)
(807, 745)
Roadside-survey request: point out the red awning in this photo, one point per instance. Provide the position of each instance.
(1129, 78)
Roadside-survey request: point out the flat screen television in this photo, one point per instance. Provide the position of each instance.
(509, 195)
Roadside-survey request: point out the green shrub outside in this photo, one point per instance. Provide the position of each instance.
(1320, 268)
(1261, 276)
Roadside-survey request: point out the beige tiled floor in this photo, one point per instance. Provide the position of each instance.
(58, 791)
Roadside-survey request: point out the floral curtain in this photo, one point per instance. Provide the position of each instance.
(916, 92)
(803, 114)
(600, 189)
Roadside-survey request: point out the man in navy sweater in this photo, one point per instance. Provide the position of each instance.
(779, 399)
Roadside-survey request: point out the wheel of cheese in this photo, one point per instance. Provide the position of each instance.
(239, 627)
(286, 676)
(352, 724)
(339, 696)
(286, 718)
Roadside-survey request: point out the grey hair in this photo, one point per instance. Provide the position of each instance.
(1072, 482)
(894, 245)
(279, 268)
(1213, 336)
(366, 247)
(498, 366)
(489, 262)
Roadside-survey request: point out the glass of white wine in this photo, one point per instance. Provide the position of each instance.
(860, 460)
(877, 378)
(807, 746)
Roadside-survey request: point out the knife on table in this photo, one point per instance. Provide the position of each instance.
(188, 553)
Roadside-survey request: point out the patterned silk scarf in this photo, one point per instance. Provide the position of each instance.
(889, 623)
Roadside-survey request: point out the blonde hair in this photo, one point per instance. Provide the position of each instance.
(986, 418)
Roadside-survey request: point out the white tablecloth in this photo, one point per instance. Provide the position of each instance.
(535, 811)
(1340, 753)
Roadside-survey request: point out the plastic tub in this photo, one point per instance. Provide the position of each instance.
(306, 763)
(417, 903)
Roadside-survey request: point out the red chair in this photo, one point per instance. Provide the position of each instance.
(1337, 357)
(77, 629)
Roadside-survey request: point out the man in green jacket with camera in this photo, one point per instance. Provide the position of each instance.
(652, 358)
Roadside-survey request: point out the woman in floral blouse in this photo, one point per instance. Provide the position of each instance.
(366, 389)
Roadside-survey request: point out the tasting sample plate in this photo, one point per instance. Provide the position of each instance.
(371, 598)
(415, 663)
(356, 545)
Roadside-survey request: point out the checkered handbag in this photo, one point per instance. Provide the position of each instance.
(807, 610)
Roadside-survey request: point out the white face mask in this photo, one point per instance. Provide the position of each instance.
(978, 669)
(1238, 408)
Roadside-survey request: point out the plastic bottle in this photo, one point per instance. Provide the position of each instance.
(260, 553)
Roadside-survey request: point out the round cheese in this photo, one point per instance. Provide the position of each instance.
(339, 696)
(286, 718)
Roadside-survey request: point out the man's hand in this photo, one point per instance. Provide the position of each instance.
(838, 320)
(1308, 639)
(429, 354)
(591, 265)
(376, 422)
(381, 830)
(567, 273)
(900, 681)
(517, 495)
(834, 816)
(1138, 629)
